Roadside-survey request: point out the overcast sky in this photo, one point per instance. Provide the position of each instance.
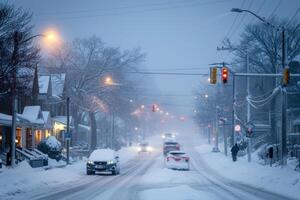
(174, 34)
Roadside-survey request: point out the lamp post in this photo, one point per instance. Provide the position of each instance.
(283, 93)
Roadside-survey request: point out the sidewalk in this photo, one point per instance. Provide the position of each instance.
(280, 180)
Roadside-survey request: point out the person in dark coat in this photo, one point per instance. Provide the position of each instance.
(234, 151)
(270, 155)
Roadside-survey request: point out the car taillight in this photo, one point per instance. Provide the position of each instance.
(168, 158)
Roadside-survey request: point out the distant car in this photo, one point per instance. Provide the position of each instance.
(103, 160)
(170, 146)
(168, 135)
(144, 147)
(177, 160)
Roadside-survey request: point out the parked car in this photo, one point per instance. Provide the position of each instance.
(170, 146)
(103, 160)
(168, 135)
(144, 147)
(177, 160)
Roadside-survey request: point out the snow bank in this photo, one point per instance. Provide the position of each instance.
(24, 179)
(285, 180)
(176, 193)
(53, 143)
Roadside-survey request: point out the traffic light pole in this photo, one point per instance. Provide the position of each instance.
(283, 106)
(216, 131)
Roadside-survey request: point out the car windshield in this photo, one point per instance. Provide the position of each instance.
(171, 143)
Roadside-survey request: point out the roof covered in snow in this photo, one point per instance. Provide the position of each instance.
(7, 119)
(44, 84)
(33, 114)
(58, 83)
(102, 155)
(61, 119)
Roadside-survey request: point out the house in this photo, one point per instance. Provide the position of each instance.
(60, 127)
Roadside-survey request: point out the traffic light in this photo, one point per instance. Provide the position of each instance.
(286, 76)
(213, 75)
(224, 74)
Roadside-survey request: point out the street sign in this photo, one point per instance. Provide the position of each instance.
(237, 128)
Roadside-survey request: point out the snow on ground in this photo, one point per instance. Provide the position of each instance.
(24, 179)
(176, 193)
(160, 174)
(284, 181)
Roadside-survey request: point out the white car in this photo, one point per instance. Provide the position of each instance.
(177, 160)
(103, 160)
(144, 147)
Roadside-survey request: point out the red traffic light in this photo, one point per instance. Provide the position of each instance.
(225, 74)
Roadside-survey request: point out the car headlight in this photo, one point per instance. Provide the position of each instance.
(149, 148)
(90, 162)
(110, 162)
(163, 136)
(139, 149)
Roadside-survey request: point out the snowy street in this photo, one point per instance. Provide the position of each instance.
(145, 177)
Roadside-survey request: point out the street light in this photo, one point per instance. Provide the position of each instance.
(108, 81)
(206, 95)
(284, 99)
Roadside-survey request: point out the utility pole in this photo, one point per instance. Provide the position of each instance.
(216, 131)
(283, 106)
(248, 106)
(68, 138)
(15, 61)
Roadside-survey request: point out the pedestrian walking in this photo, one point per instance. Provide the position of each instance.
(234, 151)
(270, 155)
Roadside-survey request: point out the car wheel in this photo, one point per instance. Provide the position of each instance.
(114, 172)
(89, 172)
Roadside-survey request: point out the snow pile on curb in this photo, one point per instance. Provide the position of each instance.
(276, 179)
(23, 178)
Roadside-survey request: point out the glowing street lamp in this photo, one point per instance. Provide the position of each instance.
(206, 95)
(108, 81)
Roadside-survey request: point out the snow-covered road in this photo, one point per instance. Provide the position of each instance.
(145, 177)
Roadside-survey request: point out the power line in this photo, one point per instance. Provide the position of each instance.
(242, 19)
(235, 20)
(114, 8)
(258, 10)
(275, 9)
(292, 18)
(167, 73)
(136, 11)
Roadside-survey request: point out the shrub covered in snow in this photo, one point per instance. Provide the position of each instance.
(52, 147)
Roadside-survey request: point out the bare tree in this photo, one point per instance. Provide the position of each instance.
(86, 62)
(16, 29)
